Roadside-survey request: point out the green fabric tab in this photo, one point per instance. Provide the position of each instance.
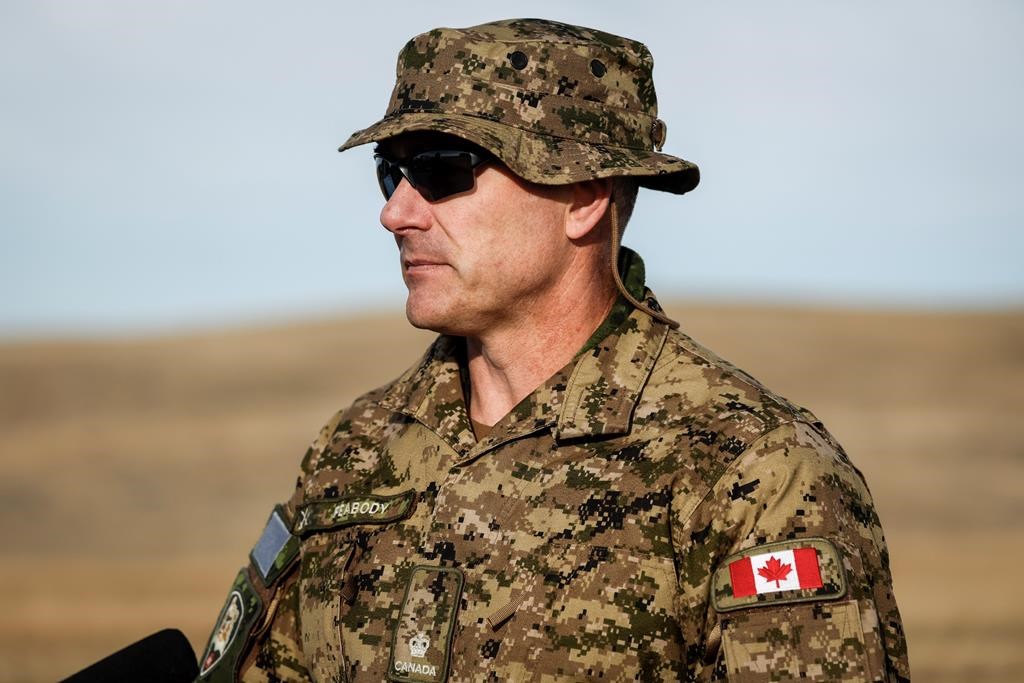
(829, 566)
(231, 632)
(631, 268)
(421, 642)
(321, 515)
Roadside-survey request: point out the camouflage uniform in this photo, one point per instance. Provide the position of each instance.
(649, 513)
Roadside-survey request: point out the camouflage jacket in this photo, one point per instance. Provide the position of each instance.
(649, 513)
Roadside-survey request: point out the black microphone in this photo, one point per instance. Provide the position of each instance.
(164, 657)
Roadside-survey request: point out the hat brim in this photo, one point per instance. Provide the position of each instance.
(539, 158)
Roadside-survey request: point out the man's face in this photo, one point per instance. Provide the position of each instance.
(479, 260)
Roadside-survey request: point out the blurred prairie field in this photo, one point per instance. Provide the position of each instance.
(136, 474)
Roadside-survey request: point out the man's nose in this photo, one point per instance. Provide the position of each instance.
(406, 210)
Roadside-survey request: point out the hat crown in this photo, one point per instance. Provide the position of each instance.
(555, 103)
(541, 76)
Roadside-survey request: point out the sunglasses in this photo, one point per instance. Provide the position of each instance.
(436, 174)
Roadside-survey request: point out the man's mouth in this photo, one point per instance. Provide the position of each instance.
(416, 264)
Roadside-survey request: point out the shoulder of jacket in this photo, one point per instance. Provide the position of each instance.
(696, 391)
(361, 410)
(364, 421)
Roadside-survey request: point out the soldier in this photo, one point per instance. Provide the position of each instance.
(565, 487)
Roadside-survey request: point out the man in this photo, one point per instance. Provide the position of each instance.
(565, 487)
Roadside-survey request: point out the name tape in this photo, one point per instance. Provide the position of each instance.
(322, 515)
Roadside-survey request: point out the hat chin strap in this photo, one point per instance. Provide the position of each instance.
(657, 315)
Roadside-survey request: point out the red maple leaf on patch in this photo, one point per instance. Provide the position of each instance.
(773, 570)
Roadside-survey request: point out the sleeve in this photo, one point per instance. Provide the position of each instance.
(258, 636)
(276, 651)
(784, 572)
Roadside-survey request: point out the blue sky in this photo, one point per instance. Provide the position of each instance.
(172, 165)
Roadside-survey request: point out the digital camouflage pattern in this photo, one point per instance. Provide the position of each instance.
(556, 103)
(589, 526)
(586, 536)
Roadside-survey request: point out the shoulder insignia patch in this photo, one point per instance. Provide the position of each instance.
(321, 515)
(236, 621)
(802, 570)
(276, 549)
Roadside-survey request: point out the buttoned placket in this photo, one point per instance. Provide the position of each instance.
(593, 397)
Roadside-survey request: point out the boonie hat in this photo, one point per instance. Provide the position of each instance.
(555, 103)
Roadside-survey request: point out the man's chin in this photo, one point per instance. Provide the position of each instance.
(427, 317)
(440, 319)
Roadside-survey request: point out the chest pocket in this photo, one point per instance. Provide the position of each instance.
(330, 531)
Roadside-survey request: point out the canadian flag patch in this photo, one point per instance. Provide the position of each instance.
(781, 570)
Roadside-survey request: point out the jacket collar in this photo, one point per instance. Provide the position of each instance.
(606, 382)
(593, 396)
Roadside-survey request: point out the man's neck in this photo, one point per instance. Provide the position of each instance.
(507, 365)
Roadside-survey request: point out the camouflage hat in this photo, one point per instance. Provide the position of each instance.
(556, 103)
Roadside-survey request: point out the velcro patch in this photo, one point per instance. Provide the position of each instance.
(230, 633)
(421, 643)
(321, 515)
(276, 548)
(802, 570)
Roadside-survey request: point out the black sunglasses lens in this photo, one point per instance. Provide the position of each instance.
(450, 175)
(388, 176)
(442, 175)
(435, 175)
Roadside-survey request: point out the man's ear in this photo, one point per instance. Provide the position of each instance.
(588, 205)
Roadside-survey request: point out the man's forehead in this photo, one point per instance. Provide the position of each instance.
(414, 142)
